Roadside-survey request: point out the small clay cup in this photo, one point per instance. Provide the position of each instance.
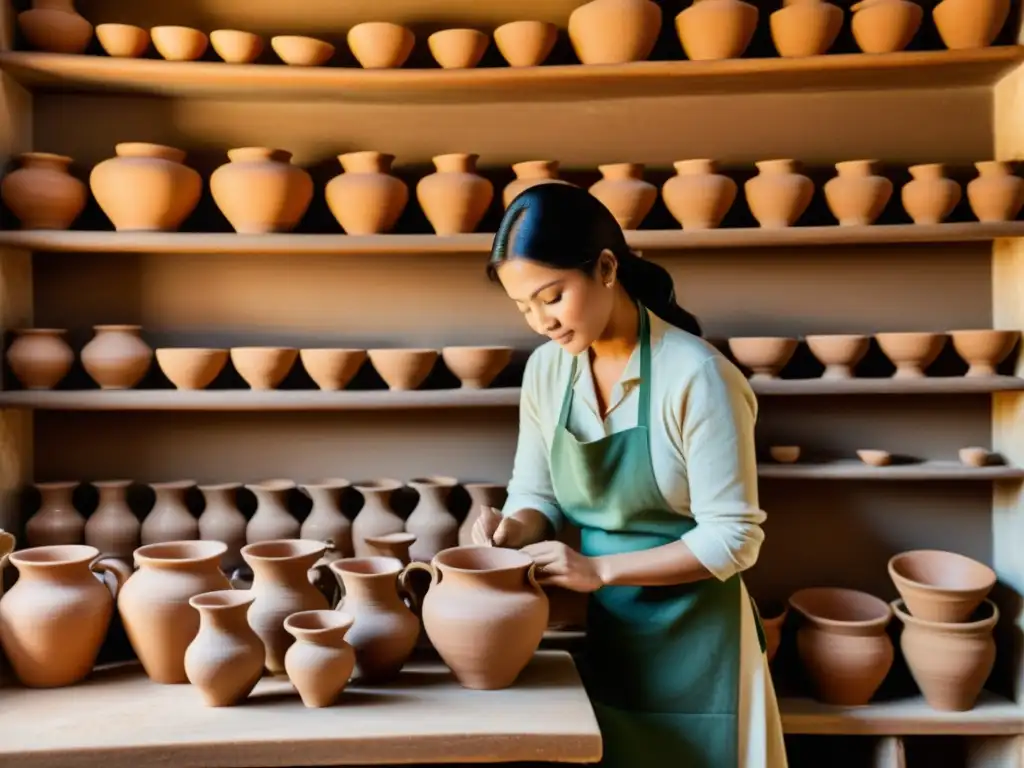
(458, 48)
(839, 353)
(263, 367)
(123, 41)
(764, 355)
(191, 367)
(403, 369)
(179, 43)
(300, 51)
(236, 46)
(380, 44)
(785, 454)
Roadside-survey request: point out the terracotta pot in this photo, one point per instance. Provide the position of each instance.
(301, 51)
(697, 196)
(476, 367)
(113, 528)
(773, 617)
(970, 23)
(263, 368)
(525, 43)
(765, 356)
(54, 619)
(614, 31)
(272, 520)
(385, 631)
(805, 28)
(843, 644)
(222, 521)
(839, 353)
(56, 521)
(716, 29)
(455, 197)
(481, 495)
(332, 369)
(225, 661)
(191, 367)
(857, 196)
(984, 350)
(123, 41)
(431, 522)
(236, 46)
(260, 191)
(170, 518)
(380, 44)
(146, 187)
(624, 192)
(42, 194)
(320, 662)
(366, 199)
(529, 174)
(930, 197)
(778, 195)
(177, 43)
(55, 26)
(996, 194)
(403, 369)
(282, 587)
(116, 357)
(940, 586)
(458, 48)
(885, 26)
(949, 662)
(154, 607)
(326, 522)
(396, 545)
(911, 352)
(39, 357)
(376, 518)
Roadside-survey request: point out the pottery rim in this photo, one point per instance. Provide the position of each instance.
(461, 559)
(318, 623)
(898, 561)
(55, 485)
(54, 555)
(276, 550)
(371, 565)
(901, 612)
(40, 331)
(222, 599)
(865, 604)
(184, 552)
(378, 485)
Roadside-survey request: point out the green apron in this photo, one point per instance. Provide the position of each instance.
(661, 664)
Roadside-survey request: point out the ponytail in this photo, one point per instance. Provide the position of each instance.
(652, 286)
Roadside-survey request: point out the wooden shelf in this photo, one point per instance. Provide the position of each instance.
(856, 470)
(892, 71)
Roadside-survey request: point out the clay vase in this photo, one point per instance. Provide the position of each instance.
(376, 518)
(385, 631)
(481, 495)
(320, 662)
(272, 519)
(857, 196)
(326, 522)
(40, 358)
(778, 195)
(154, 605)
(716, 29)
(614, 31)
(697, 196)
(996, 194)
(42, 194)
(260, 191)
(225, 660)
(843, 644)
(624, 192)
(773, 617)
(146, 187)
(885, 26)
(805, 27)
(54, 619)
(431, 522)
(281, 586)
(485, 613)
(56, 521)
(950, 662)
(366, 199)
(970, 23)
(113, 528)
(930, 197)
(454, 198)
(170, 518)
(116, 357)
(221, 520)
(529, 174)
(55, 26)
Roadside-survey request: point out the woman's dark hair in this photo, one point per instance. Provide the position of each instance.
(565, 227)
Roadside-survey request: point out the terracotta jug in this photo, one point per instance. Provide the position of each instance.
(366, 199)
(260, 191)
(320, 662)
(117, 357)
(39, 357)
(221, 520)
(624, 192)
(778, 195)
(716, 29)
(56, 521)
(42, 194)
(481, 495)
(272, 519)
(454, 198)
(113, 528)
(697, 196)
(996, 194)
(614, 31)
(170, 518)
(805, 27)
(857, 196)
(970, 23)
(225, 660)
(376, 518)
(282, 587)
(431, 522)
(54, 619)
(326, 522)
(529, 174)
(885, 26)
(154, 605)
(55, 26)
(930, 197)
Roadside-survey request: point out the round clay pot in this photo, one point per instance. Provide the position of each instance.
(179, 43)
(874, 458)
(624, 192)
(222, 521)
(263, 368)
(996, 194)
(380, 44)
(191, 367)
(885, 26)
(476, 367)
(300, 51)
(839, 353)
(716, 29)
(857, 196)
(525, 43)
(940, 586)
(843, 644)
(320, 662)
(765, 356)
(930, 197)
(376, 517)
(326, 522)
(431, 521)
(403, 369)
(454, 198)
(697, 196)
(146, 187)
(225, 661)
(773, 616)
(529, 174)
(123, 41)
(458, 48)
(39, 357)
(785, 454)
(949, 662)
(366, 199)
(778, 195)
(970, 23)
(480, 495)
(272, 520)
(42, 194)
(332, 369)
(55, 26)
(236, 46)
(260, 191)
(56, 522)
(911, 352)
(805, 27)
(170, 519)
(614, 31)
(116, 357)
(113, 528)
(984, 350)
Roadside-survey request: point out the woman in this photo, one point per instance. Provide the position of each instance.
(641, 434)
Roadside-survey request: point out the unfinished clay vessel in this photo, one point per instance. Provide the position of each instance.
(236, 46)
(984, 350)
(380, 44)
(778, 195)
(716, 29)
(225, 661)
(455, 197)
(773, 616)
(261, 191)
(480, 495)
(325, 521)
(525, 43)
(403, 369)
(839, 353)
(376, 518)
(170, 518)
(911, 352)
(529, 174)
(332, 369)
(996, 194)
(885, 26)
(191, 367)
(930, 197)
(117, 357)
(123, 41)
(113, 528)
(805, 27)
(940, 586)
(697, 196)
(458, 48)
(366, 199)
(39, 357)
(42, 194)
(614, 31)
(177, 43)
(476, 367)
(56, 521)
(55, 26)
(302, 51)
(222, 521)
(842, 643)
(263, 368)
(431, 522)
(624, 192)
(146, 187)
(765, 356)
(970, 23)
(320, 662)
(272, 519)
(857, 196)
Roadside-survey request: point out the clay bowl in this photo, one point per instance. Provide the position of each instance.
(880, 26)
(236, 46)
(179, 43)
(123, 41)
(784, 454)
(332, 369)
(764, 355)
(974, 456)
(839, 353)
(191, 367)
(380, 44)
(983, 350)
(403, 369)
(300, 51)
(911, 352)
(263, 367)
(458, 48)
(525, 43)
(773, 615)
(940, 586)
(874, 458)
(476, 367)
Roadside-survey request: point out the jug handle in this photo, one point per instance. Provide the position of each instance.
(119, 569)
(531, 576)
(403, 582)
(322, 578)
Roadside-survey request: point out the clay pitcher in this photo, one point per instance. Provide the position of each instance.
(320, 662)
(614, 31)
(42, 194)
(154, 606)
(260, 191)
(778, 195)
(113, 528)
(697, 196)
(225, 661)
(170, 518)
(272, 520)
(366, 199)
(997, 194)
(624, 192)
(39, 357)
(716, 29)
(930, 197)
(857, 196)
(529, 174)
(431, 522)
(117, 357)
(221, 520)
(376, 518)
(454, 198)
(54, 619)
(970, 23)
(57, 521)
(326, 522)
(481, 495)
(55, 26)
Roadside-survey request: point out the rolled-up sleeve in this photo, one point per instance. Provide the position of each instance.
(719, 414)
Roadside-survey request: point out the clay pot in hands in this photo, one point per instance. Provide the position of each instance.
(117, 357)
(939, 586)
(529, 174)
(624, 192)
(332, 369)
(984, 350)
(236, 46)
(843, 644)
(272, 519)
(146, 187)
(481, 495)
(366, 199)
(431, 522)
(454, 198)
(380, 44)
(996, 194)
(191, 367)
(261, 191)
(525, 43)
(42, 194)
(376, 518)
(403, 369)
(302, 51)
(773, 616)
(839, 353)
(225, 661)
(765, 356)
(476, 367)
(911, 352)
(177, 43)
(55, 26)
(857, 196)
(716, 29)
(885, 26)
(170, 518)
(697, 196)
(263, 368)
(805, 27)
(778, 195)
(930, 197)
(320, 662)
(56, 521)
(614, 31)
(113, 528)
(970, 23)
(326, 522)
(222, 521)
(39, 357)
(458, 48)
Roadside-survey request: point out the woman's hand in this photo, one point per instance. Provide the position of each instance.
(492, 529)
(562, 566)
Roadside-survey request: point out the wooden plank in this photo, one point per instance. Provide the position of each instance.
(855, 470)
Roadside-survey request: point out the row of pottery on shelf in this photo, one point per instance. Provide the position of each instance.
(970, 456)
